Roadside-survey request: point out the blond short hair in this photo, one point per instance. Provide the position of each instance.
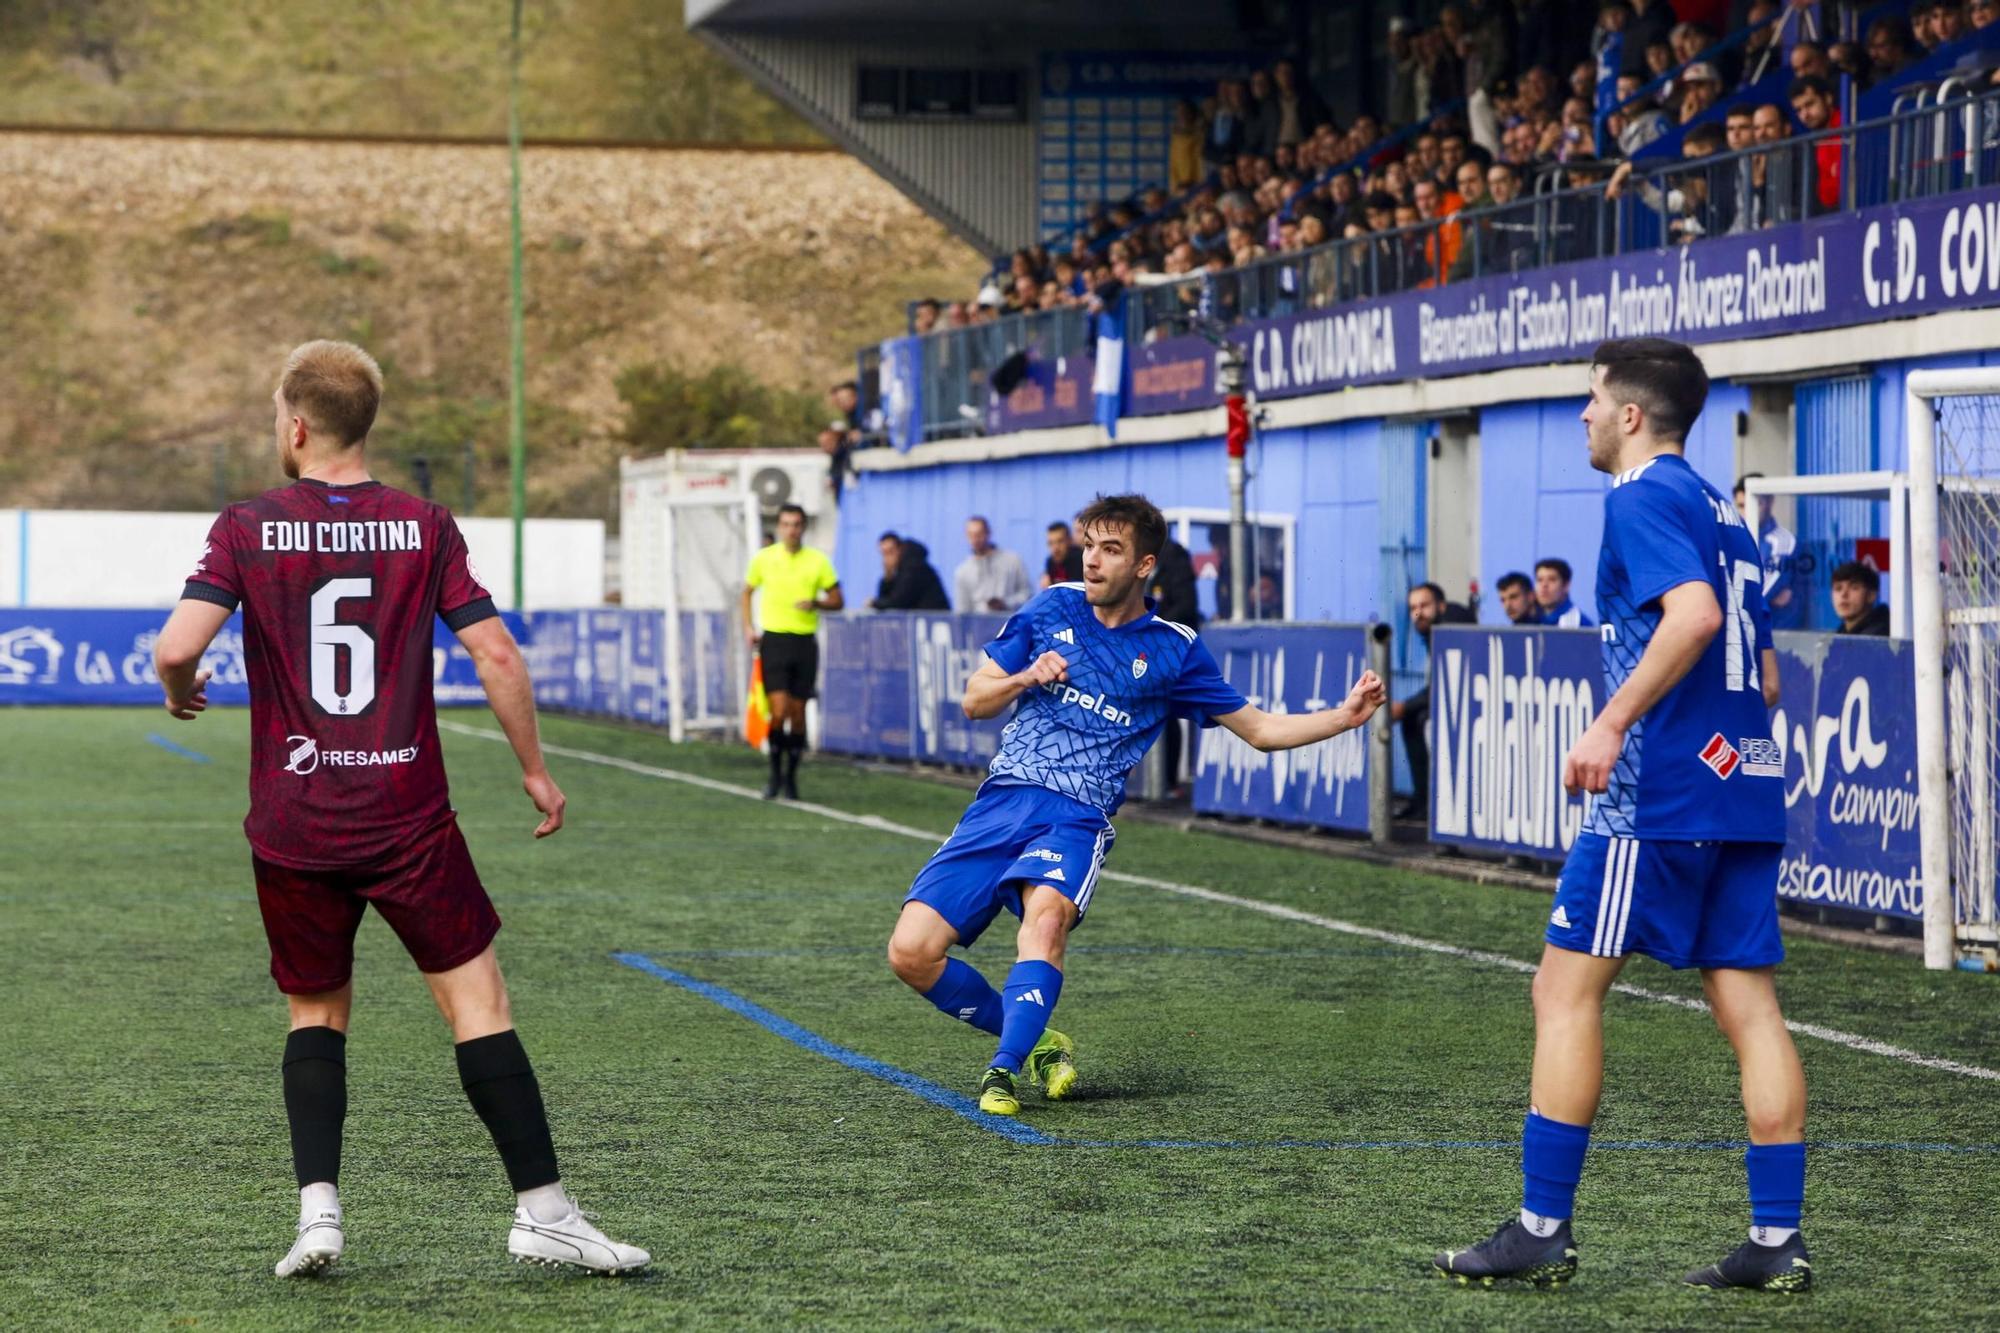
(335, 386)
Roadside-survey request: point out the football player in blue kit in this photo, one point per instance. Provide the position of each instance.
(1679, 855)
(1092, 675)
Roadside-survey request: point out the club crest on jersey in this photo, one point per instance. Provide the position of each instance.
(1720, 755)
(1139, 666)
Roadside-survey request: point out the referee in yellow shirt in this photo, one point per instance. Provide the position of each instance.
(798, 584)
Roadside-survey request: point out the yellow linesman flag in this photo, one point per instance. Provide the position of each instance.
(757, 714)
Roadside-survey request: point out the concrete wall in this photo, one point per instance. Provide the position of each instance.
(84, 557)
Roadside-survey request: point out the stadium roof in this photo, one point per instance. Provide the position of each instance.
(978, 171)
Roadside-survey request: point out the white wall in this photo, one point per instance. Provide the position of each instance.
(88, 557)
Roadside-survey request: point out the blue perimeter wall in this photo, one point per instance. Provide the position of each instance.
(1538, 497)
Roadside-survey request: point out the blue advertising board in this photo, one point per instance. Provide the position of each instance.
(1287, 669)
(1055, 392)
(1860, 267)
(105, 656)
(1506, 706)
(867, 686)
(1846, 721)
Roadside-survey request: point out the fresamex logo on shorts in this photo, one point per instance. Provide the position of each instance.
(1499, 740)
(1100, 704)
(303, 756)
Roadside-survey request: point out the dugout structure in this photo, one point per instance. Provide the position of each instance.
(1954, 439)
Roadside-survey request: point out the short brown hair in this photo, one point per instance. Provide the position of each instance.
(335, 386)
(1149, 526)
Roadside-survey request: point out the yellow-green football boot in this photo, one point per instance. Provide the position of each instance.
(996, 1092)
(1052, 1065)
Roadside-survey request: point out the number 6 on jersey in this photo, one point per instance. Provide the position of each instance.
(328, 636)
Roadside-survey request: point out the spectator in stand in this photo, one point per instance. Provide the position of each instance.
(1614, 18)
(1774, 172)
(1508, 240)
(989, 579)
(1517, 599)
(908, 582)
(1947, 23)
(924, 316)
(1857, 592)
(1260, 133)
(1889, 44)
(1552, 576)
(1809, 61)
(1210, 236)
(1402, 73)
(1761, 47)
(1300, 111)
(1065, 562)
(1651, 21)
(1228, 127)
(1813, 103)
(1780, 549)
(1428, 608)
(1639, 120)
(1701, 88)
(1984, 12)
(1441, 243)
(1184, 156)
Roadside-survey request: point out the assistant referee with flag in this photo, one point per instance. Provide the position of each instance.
(798, 583)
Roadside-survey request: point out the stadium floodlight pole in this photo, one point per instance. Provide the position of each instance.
(517, 400)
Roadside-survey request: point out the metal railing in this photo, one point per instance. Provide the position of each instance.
(1950, 143)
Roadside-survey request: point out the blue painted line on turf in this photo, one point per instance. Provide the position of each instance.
(181, 750)
(957, 1103)
(960, 1105)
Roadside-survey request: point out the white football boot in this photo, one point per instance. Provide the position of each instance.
(570, 1241)
(318, 1246)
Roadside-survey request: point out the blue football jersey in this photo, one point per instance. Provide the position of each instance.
(1701, 763)
(1081, 737)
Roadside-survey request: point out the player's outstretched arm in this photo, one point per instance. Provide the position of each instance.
(992, 688)
(1689, 618)
(178, 651)
(511, 695)
(1288, 731)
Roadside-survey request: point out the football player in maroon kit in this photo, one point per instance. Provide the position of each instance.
(339, 578)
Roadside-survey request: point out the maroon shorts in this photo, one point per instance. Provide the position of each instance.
(428, 892)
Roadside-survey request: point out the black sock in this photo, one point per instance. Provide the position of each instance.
(797, 742)
(501, 1085)
(316, 1101)
(777, 753)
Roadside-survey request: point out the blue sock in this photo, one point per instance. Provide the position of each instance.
(1777, 1183)
(965, 995)
(1030, 995)
(1551, 1164)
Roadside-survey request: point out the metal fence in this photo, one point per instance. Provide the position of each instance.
(1577, 213)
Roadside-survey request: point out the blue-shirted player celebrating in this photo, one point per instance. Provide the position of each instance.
(1093, 675)
(1679, 857)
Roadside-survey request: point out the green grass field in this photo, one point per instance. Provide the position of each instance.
(147, 1182)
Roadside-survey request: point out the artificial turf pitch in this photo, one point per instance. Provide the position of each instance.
(1278, 1121)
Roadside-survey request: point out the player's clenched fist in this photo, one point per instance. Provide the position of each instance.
(1368, 694)
(1588, 766)
(1047, 668)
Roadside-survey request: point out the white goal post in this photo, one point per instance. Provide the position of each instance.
(1953, 424)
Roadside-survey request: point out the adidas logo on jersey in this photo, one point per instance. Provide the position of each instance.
(1031, 997)
(1066, 635)
(1056, 874)
(1559, 917)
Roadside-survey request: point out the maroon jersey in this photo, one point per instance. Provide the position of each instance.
(339, 587)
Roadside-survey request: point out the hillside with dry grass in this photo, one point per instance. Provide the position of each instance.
(149, 288)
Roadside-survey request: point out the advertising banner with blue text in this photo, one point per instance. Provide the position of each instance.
(1056, 392)
(1846, 721)
(1287, 669)
(105, 656)
(1506, 706)
(1861, 267)
(892, 686)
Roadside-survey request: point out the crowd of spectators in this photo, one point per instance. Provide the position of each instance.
(1480, 106)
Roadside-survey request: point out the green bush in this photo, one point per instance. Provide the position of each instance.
(722, 408)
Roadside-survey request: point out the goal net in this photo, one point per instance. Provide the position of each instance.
(1955, 564)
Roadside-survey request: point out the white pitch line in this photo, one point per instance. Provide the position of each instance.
(1851, 1040)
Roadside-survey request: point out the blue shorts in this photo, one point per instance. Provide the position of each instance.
(1010, 834)
(1688, 904)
